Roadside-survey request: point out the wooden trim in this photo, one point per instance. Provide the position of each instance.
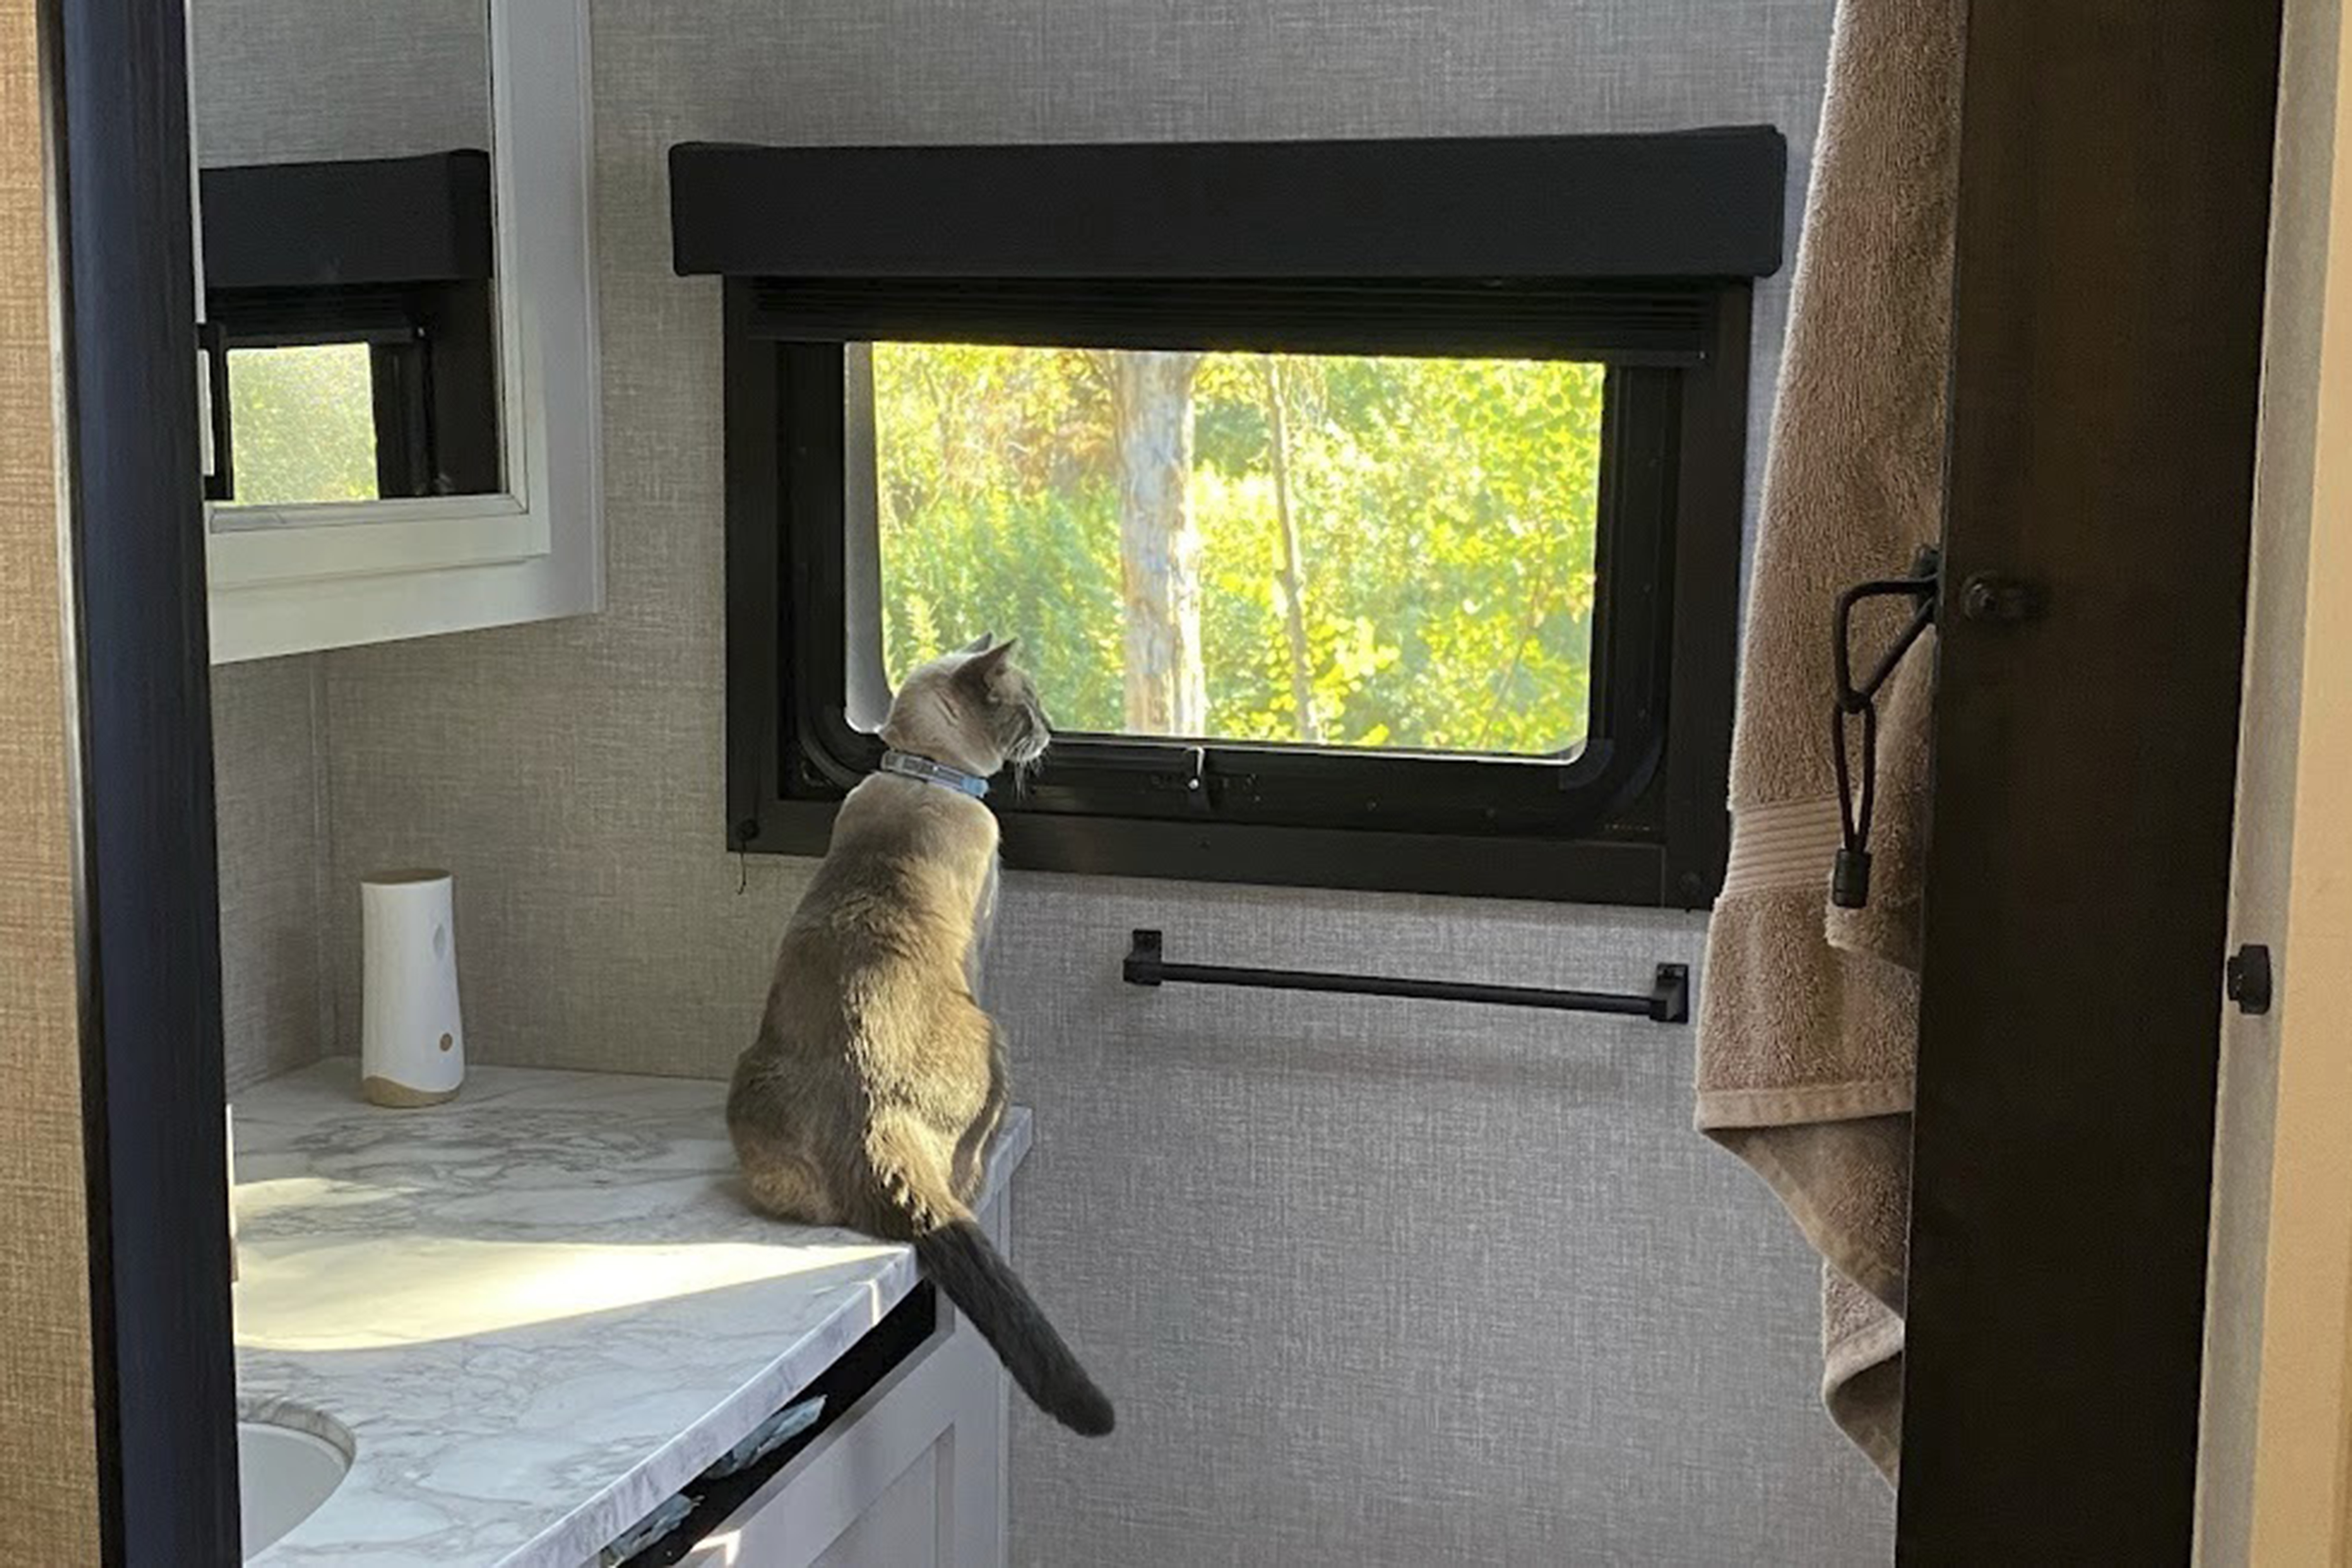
(2302, 1501)
(2301, 1498)
(2114, 205)
(152, 1061)
(48, 1458)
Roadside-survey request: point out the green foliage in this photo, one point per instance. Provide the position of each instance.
(303, 422)
(1445, 509)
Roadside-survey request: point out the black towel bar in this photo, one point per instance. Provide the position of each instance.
(1667, 1002)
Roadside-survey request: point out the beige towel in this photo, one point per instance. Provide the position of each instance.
(1807, 1018)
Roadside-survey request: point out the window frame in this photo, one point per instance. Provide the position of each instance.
(1640, 818)
(433, 365)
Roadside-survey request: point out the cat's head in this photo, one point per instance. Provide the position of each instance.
(974, 708)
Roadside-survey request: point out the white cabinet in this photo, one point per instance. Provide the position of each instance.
(445, 470)
(914, 1476)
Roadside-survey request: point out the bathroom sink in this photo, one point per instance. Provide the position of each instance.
(283, 1475)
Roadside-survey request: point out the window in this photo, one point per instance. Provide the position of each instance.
(1380, 582)
(351, 332)
(1349, 550)
(305, 418)
(340, 394)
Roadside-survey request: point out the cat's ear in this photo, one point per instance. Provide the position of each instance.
(981, 667)
(978, 644)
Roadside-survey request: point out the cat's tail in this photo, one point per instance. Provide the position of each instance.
(965, 1264)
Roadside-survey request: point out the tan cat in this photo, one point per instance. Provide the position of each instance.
(876, 1081)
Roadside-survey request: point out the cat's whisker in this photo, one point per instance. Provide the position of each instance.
(1026, 770)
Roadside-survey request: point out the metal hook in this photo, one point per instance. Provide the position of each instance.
(1850, 871)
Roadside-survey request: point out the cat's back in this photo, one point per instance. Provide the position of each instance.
(901, 882)
(869, 979)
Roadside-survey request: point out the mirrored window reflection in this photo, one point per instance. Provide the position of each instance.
(306, 419)
(348, 244)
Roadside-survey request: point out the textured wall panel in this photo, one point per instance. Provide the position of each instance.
(1394, 1282)
(49, 1460)
(285, 81)
(268, 781)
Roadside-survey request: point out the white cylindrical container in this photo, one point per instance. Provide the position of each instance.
(412, 1041)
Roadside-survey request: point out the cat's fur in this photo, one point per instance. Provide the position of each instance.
(870, 1096)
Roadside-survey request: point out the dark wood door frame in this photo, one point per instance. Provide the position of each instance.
(151, 1028)
(2114, 209)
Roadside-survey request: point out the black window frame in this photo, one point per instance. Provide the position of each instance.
(396, 253)
(433, 371)
(1636, 816)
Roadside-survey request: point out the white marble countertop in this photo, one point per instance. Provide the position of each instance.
(531, 1313)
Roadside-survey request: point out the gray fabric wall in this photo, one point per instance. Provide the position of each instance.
(269, 780)
(1376, 1283)
(285, 80)
(1398, 1283)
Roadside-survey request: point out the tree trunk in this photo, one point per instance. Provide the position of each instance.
(1159, 548)
(1293, 576)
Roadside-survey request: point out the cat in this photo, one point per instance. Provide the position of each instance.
(877, 1080)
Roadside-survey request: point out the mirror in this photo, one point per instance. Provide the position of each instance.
(397, 363)
(352, 343)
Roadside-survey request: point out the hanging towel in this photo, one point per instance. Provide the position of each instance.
(1808, 1019)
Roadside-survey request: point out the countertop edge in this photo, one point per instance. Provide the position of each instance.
(598, 1520)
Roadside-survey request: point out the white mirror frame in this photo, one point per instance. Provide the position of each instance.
(294, 579)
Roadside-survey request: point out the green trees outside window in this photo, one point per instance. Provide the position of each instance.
(1344, 550)
(305, 423)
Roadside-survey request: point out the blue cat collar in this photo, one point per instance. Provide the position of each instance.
(907, 765)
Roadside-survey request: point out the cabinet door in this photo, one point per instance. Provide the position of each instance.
(913, 1478)
(907, 1525)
